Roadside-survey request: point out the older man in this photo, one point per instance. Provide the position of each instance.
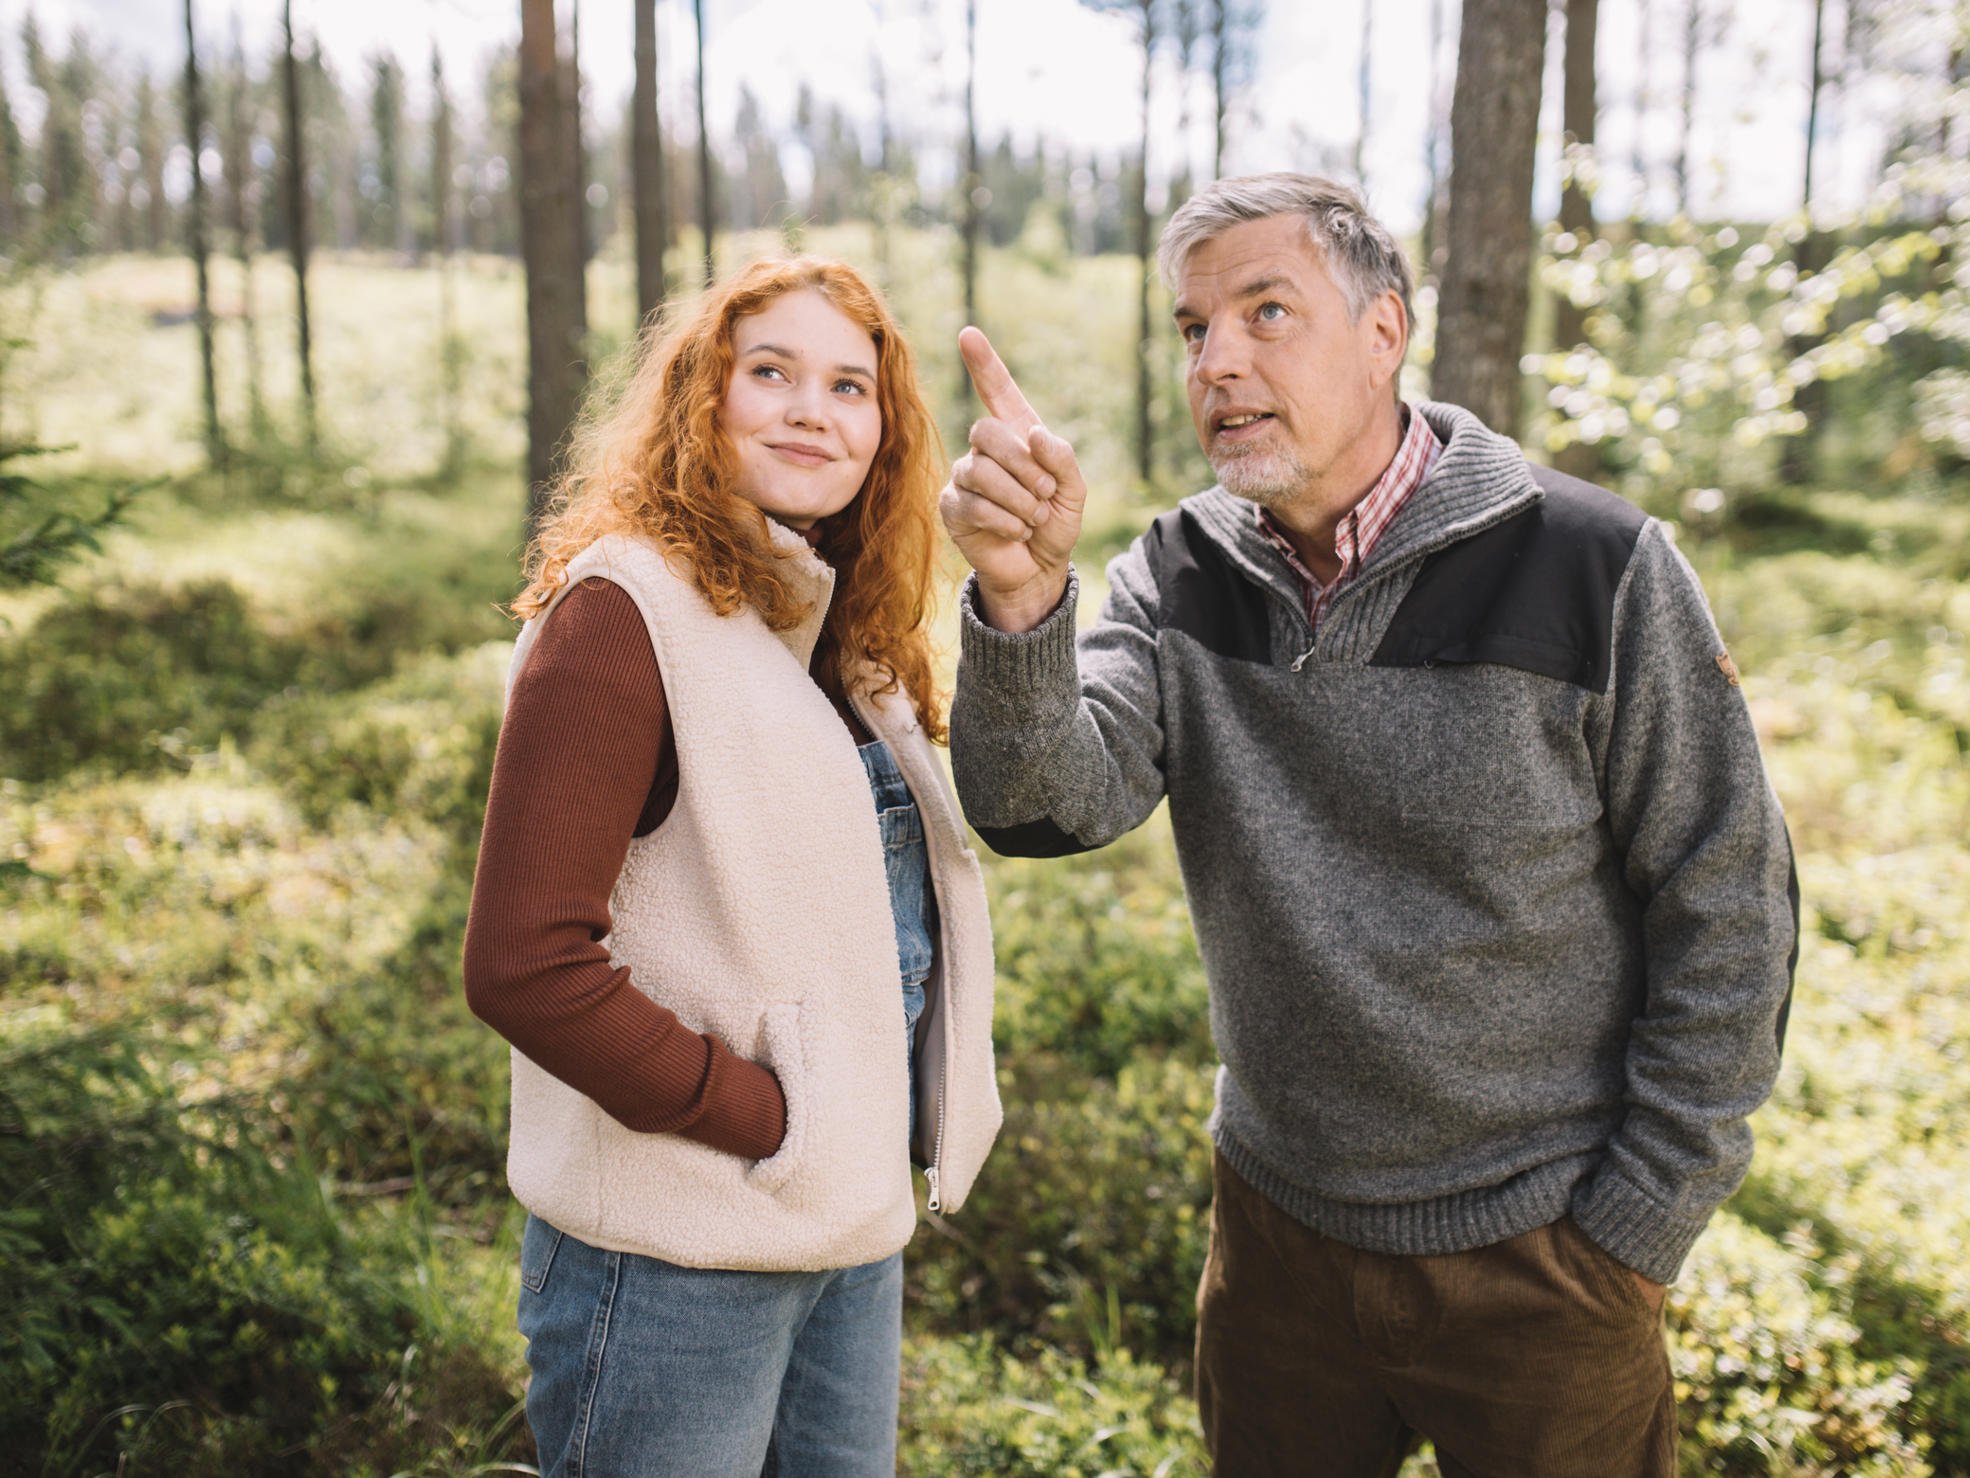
(1493, 895)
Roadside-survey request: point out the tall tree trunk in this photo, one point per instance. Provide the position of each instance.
(443, 241)
(577, 146)
(1145, 432)
(1798, 454)
(968, 208)
(1576, 203)
(150, 146)
(549, 198)
(882, 195)
(1363, 81)
(1644, 100)
(1494, 122)
(10, 168)
(706, 212)
(1686, 121)
(215, 449)
(297, 215)
(1186, 30)
(1433, 148)
(647, 166)
(1220, 38)
(240, 192)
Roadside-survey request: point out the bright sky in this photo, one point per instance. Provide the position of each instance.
(1069, 72)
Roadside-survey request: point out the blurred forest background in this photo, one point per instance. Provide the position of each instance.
(287, 337)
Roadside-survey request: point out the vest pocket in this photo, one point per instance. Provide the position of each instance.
(783, 1049)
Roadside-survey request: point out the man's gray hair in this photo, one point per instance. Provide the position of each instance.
(1360, 254)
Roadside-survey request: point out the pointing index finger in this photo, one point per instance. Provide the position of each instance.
(996, 387)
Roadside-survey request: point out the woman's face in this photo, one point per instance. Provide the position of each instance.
(800, 408)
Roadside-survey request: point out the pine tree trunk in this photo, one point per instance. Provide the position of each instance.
(297, 215)
(1220, 36)
(1578, 459)
(1686, 121)
(550, 248)
(1433, 148)
(1494, 119)
(577, 146)
(968, 212)
(1798, 454)
(1145, 431)
(215, 449)
(1363, 83)
(239, 200)
(443, 241)
(647, 166)
(706, 213)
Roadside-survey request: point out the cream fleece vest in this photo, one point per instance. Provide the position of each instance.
(759, 912)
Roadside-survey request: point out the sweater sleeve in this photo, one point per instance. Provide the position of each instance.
(1057, 740)
(585, 730)
(1704, 847)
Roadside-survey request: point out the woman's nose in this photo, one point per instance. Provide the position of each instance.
(809, 407)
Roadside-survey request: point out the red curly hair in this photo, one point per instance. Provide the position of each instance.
(651, 460)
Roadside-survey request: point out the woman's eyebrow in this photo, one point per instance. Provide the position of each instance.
(785, 353)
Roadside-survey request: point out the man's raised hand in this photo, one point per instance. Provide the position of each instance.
(1013, 505)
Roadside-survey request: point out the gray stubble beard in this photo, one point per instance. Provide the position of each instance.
(1267, 478)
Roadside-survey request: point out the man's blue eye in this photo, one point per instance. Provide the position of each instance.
(1272, 310)
(1193, 333)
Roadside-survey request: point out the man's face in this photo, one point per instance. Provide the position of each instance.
(1283, 387)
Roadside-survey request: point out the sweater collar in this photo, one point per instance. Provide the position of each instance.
(1479, 479)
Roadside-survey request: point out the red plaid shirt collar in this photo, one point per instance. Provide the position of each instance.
(1367, 521)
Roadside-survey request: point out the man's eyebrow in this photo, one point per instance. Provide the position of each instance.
(785, 353)
(1271, 282)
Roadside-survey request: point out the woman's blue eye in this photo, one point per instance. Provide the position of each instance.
(853, 386)
(764, 370)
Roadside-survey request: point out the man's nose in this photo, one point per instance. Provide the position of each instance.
(1222, 356)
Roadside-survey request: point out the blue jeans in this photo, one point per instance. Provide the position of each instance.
(912, 900)
(643, 1369)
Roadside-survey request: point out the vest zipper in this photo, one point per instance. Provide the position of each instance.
(934, 1200)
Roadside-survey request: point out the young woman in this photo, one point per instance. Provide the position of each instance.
(724, 909)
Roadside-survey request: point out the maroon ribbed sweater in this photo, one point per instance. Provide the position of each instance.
(586, 761)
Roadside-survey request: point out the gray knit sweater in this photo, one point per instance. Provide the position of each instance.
(1493, 895)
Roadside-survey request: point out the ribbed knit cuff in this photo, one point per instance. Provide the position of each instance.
(745, 1113)
(1018, 671)
(1636, 1229)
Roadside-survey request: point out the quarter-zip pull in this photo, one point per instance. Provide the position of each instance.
(1300, 661)
(936, 1202)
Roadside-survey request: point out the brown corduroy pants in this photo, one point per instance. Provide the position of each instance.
(1538, 1357)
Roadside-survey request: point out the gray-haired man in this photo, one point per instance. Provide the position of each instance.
(1493, 895)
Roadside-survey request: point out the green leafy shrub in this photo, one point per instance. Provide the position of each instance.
(128, 671)
(972, 1407)
(174, 1291)
(1089, 1224)
(1096, 959)
(420, 743)
(1767, 1371)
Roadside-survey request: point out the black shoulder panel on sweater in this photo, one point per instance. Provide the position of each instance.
(1535, 592)
(1202, 593)
(1031, 839)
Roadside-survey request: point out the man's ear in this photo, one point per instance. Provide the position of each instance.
(1387, 327)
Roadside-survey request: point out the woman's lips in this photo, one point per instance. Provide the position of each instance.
(800, 453)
